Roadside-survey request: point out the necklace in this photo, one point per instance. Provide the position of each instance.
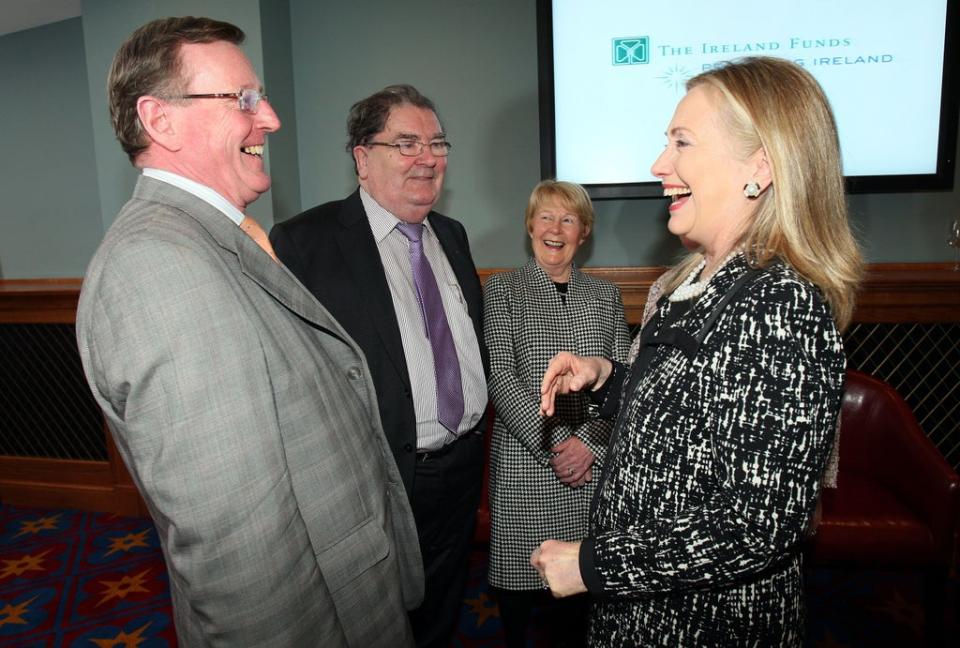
(690, 288)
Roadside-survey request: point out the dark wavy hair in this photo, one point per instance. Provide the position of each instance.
(369, 116)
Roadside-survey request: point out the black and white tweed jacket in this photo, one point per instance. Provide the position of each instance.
(716, 467)
(525, 324)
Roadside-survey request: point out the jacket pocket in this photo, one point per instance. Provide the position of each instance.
(352, 556)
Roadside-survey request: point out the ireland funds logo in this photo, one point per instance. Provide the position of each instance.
(631, 50)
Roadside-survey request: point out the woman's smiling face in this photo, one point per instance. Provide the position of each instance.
(702, 174)
(556, 233)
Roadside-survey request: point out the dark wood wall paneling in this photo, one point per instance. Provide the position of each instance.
(892, 293)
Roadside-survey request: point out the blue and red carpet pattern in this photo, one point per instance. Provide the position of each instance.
(77, 579)
(72, 578)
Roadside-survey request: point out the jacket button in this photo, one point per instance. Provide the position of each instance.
(407, 447)
(354, 373)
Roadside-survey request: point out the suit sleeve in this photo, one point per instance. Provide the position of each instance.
(177, 364)
(517, 405)
(771, 417)
(595, 432)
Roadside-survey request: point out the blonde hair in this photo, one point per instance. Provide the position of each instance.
(568, 195)
(801, 218)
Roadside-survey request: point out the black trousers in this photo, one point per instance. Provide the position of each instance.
(446, 494)
(564, 621)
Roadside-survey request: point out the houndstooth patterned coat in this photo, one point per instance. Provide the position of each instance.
(714, 471)
(525, 325)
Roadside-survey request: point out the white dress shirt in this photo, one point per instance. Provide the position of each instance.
(394, 251)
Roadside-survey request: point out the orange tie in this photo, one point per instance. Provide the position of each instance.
(253, 230)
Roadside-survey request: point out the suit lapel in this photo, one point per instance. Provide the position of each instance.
(463, 269)
(362, 259)
(279, 282)
(273, 277)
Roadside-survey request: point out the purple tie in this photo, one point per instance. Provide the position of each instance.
(446, 367)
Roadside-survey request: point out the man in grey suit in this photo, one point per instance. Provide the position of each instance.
(245, 413)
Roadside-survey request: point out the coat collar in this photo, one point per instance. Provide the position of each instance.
(254, 263)
(716, 288)
(538, 277)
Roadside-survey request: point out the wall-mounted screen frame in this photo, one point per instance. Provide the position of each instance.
(611, 71)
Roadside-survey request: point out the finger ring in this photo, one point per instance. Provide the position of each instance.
(569, 472)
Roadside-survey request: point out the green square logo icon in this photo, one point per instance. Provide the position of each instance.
(631, 50)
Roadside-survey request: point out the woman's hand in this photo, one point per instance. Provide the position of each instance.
(573, 462)
(559, 566)
(570, 373)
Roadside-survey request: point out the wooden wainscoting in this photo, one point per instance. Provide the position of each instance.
(891, 292)
(51, 477)
(53, 469)
(64, 483)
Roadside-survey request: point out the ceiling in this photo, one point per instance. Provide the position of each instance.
(16, 15)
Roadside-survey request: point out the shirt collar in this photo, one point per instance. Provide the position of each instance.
(203, 192)
(382, 222)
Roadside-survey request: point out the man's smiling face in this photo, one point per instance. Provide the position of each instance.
(222, 146)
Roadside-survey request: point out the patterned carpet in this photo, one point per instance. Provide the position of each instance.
(72, 579)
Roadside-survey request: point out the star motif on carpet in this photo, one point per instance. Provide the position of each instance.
(19, 566)
(46, 523)
(484, 607)
(128, 542)
(124, 640)
(13, 614)
(902, 611)
(120, 588)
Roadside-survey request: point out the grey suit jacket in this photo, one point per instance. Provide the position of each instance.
(248, 419)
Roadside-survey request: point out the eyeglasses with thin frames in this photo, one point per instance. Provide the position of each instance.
(248, 99)
(413, 148)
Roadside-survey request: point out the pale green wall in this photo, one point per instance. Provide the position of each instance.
(278, 71)
(64, 177)
(476, 60)
(106, 23)
(50, 213)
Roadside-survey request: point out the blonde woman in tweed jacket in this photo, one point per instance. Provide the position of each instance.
(727, 416)
(542, 471)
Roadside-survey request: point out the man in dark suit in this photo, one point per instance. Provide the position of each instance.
(362, 258)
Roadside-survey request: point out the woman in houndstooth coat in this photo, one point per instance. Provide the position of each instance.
(542, 470)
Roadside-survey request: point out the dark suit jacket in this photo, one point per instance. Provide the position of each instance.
(331, 249)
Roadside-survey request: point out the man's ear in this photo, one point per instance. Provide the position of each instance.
(360, 157)
(761, 169)
(158, 122)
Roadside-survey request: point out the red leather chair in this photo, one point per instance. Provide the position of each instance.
(897, 501)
